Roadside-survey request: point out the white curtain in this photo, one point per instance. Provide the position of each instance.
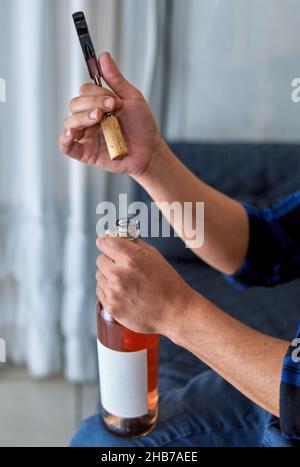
(48, 202)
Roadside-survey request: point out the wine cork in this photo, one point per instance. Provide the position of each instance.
(114, 138)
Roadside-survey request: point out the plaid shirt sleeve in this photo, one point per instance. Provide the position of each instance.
(273, 258)
(273, 255)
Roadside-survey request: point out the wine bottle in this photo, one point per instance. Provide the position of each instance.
(128, 367)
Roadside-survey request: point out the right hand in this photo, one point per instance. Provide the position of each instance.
(83, 138)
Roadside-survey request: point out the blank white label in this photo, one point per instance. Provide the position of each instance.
(123, 382)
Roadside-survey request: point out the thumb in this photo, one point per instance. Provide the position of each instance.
(114, 78)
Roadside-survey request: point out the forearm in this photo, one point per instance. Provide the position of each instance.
(249, 360)
(226, 234)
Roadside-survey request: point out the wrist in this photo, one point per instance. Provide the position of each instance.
(154, 167)
(185, 317)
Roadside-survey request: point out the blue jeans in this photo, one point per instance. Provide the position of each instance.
(195, 410)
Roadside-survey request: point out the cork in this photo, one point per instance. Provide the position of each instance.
(114, 138)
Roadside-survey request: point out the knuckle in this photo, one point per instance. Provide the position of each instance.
(80, 120)
(99, 293)
(84, 120)
(98, 276)
(92, 102)
(118, 281)
(100, 297)
(67, 123)
(129, 262)
(84, 88)
(98, 262)
(73, 103)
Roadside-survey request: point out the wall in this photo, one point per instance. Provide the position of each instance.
(232, 64)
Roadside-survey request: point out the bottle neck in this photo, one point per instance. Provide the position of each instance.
(128, 228)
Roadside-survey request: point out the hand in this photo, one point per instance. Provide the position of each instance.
(83, 138)
(138, 287)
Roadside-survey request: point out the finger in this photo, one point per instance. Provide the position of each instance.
(90, 89)
(83, 120)
(70, 147)
(89, 103)
(116, 248)
(102, 297)
(102, 281)
(105, 265)
(116, 81)
(75, 134)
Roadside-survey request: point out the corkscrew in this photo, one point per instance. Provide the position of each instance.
(112, 132)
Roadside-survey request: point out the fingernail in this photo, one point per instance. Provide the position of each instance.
(94, 115)
(68, 134)
(108, 103)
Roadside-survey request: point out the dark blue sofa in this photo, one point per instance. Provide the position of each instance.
(256, 173)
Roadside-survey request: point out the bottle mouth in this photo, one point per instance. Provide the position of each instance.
(128, 227)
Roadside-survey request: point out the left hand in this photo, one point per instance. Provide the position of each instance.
(138, 287)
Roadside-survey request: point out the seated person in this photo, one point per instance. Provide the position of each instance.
(251, 395)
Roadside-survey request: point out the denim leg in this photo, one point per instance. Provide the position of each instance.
(207, 411)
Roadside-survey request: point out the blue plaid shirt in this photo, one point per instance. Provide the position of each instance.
(274, 258)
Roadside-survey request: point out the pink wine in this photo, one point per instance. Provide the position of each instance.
(128, 367)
